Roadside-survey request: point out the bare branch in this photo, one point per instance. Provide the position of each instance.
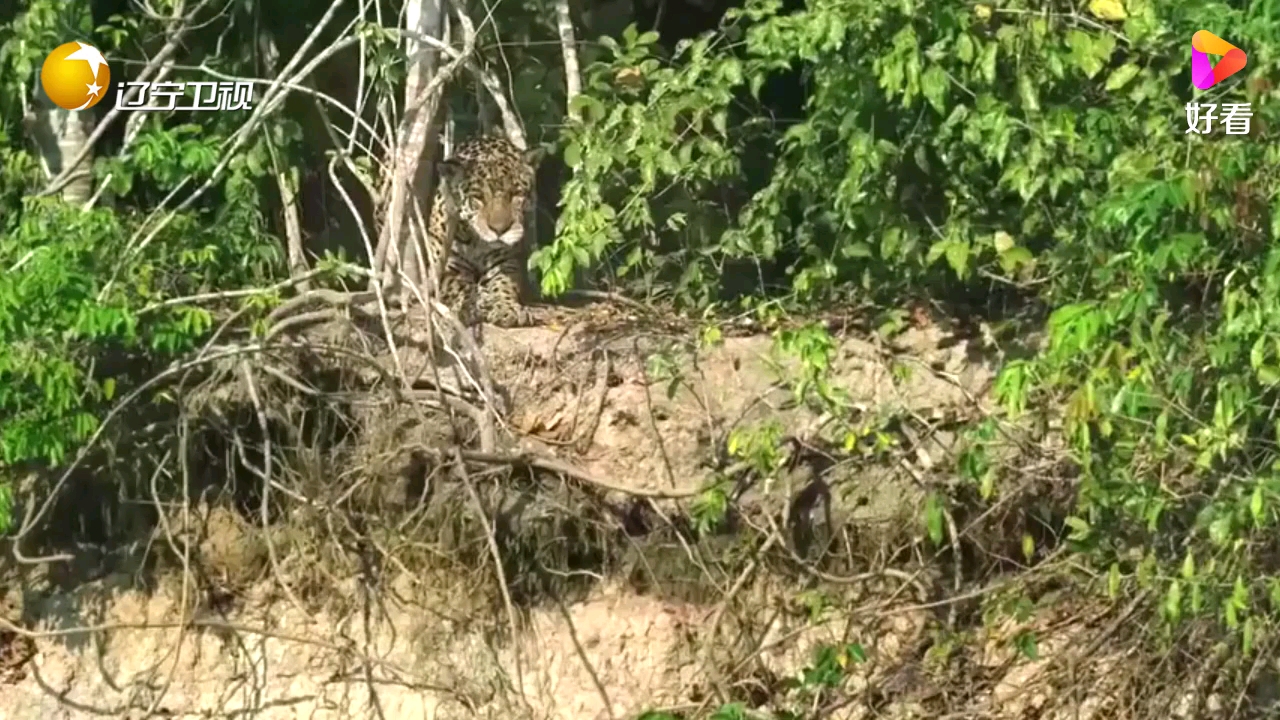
(411, 138)
(569, 48)
(510, 121)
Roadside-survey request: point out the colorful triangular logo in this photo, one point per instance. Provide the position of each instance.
(1205, 75)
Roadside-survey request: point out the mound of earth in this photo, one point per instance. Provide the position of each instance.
(632, 414)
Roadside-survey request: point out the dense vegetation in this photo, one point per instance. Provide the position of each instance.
(1024, 163)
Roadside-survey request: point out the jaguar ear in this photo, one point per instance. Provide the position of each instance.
(534, 155)
(451, 170)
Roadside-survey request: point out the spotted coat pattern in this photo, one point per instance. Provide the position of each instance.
(476, 230)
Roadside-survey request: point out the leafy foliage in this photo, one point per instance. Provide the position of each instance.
(83, 287)
(1024, 152)
(805, 694)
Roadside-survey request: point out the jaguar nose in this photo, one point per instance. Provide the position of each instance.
(499, 219)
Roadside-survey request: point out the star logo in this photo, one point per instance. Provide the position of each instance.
(75, 76)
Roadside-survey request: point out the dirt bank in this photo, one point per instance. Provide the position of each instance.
(634, 415)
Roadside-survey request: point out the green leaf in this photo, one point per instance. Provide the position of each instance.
(1079, 528)
(1003, 242)
(988, 62)
(1112, 10)
(856, 250)
(1121, 76)
(1173, 601)
(732, 711)
(719, 120)
(1027, 91)
(957, 252)
(1027, 645)
(1220, 530)
(573, 154)
(934, 84)
(933, 517)
(1268, 375)
(1014, 258)
(856, 652)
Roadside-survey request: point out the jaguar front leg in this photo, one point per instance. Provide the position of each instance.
(460, 296)
(499, 300)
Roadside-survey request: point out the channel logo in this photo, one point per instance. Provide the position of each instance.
(75, 76)
(1203, 74)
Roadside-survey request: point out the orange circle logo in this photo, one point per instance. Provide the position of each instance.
(75, 76)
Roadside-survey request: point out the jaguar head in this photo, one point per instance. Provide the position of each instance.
(492, 189)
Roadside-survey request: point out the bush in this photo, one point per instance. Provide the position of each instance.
(1026, 154)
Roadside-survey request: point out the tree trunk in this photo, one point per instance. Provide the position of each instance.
(60, 136)
(415, 156)
(569, 49)
(286, 177)
(572, 87)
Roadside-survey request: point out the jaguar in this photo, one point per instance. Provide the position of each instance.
(476, 229)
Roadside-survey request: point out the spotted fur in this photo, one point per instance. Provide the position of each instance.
(477, 228)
